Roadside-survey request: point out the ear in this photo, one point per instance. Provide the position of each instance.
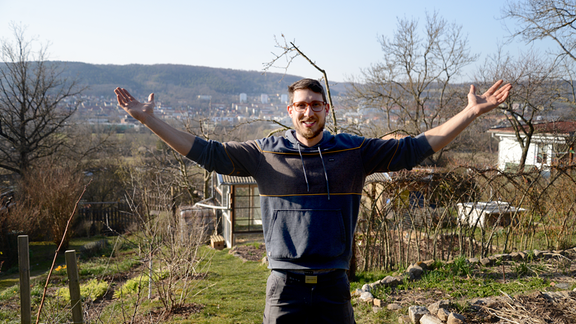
(327, 108)
(289, 108)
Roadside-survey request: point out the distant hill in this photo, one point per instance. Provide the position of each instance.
(174, 83)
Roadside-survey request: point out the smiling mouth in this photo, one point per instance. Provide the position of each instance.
(308, 123)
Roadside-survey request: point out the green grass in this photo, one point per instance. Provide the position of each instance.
(233, 291)
(236, 293)
(461, 281)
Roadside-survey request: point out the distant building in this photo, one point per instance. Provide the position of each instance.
(264, 98)
(243, 97)
(284, 99)
(550, 142)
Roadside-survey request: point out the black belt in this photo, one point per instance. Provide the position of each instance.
(310, 278)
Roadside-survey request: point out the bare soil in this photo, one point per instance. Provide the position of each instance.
(249, 252)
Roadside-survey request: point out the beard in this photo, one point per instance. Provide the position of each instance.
(309, 133)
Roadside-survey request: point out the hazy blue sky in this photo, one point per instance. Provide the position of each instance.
(341, 36)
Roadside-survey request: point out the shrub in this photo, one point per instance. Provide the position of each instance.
(46, 197)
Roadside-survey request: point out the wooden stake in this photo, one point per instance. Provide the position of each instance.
(24, 265)
(74, 285)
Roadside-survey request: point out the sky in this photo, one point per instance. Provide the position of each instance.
(341, 37)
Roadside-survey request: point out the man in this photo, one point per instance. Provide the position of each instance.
(310, 184)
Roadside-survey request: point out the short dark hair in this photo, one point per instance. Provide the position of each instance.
(309, 84)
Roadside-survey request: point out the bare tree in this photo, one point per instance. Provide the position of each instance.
(545, 19)
(414, 85)
(535, 91)
(34, 104)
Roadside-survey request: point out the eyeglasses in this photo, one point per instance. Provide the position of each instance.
(316, 106)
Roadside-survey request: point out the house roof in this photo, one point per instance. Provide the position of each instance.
(378, 177)
(234, 180)
(566, 128)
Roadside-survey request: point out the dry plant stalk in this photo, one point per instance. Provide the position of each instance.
(56, 254)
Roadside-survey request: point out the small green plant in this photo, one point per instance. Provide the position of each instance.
(91, 290)
(522, 269)
(136, 284)
(132, 286)
(9, 292)
(530, 256)
(460, 267)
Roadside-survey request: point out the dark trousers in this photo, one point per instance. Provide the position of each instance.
(290, 299)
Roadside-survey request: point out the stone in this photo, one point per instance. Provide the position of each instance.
(422, 265)
(522, 255)
(367, 297)
(357, 292)
(515, 256)
(377, 302)
(486, 262)
(434, 307)
(429, 263)
(455, 318)
(404, 319)
(429, 319)
(473, 261)
(563, 285)
(394, 307)
(503, 257)
(415, 272)
(376, 309)
(390, 281)
(416, 313)
(443, 314)
(548, 255)
(366, 287)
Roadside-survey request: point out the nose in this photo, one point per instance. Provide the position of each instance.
(308, 111)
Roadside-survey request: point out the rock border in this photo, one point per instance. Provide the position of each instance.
(438, 312)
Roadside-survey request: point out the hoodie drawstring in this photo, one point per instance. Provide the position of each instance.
(323, 166)
(325, 173)
(303, 168)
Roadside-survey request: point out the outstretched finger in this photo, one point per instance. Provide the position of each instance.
(121, 94)
(494, 87)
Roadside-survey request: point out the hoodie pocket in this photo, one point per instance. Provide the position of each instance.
(306, 234)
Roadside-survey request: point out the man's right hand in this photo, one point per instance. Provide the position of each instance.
(180, 141)
(140, 111)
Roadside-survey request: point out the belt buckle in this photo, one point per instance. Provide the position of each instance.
(310, 279)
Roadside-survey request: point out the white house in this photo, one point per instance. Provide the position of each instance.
(549, 143)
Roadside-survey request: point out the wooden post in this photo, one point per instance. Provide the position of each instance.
(74, 286)
(24, 265)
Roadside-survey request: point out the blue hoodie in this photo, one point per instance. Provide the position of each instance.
(310, 196)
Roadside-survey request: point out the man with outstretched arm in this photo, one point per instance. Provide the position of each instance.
(310, 185)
